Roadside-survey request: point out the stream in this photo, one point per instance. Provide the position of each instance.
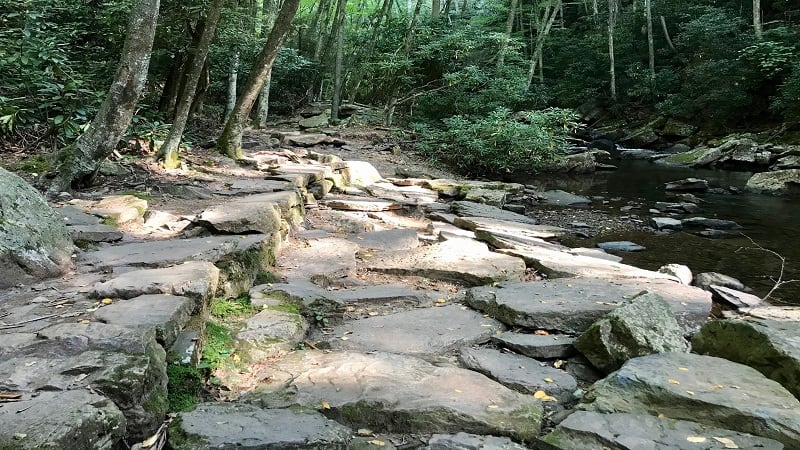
(771, 222)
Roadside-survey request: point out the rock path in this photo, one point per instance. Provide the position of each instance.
(384, 313)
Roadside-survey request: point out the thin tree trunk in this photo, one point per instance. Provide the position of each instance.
(436, 9)
(321, 36)
(202, 89)
(464, 5)
(78, 163)
(666, 34)
(407, 43)
(612, 21)
(230, 142)
(541, 68)
(501, 54)
(262, 111)
(169, 95)
(757, 26)
(233, 80)
(341, 10)
(648, 5)
(169, 150)
(548, 18)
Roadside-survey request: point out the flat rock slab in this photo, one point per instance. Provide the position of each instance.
(250, 186)
(571, 305)
(732, 297)
(549, 346)
(562, 198)
(196, 279)
(709, 390)
(380, 293)
(520, 373)
(687, 185)
(507, 228)
(74, 216)
(466, 441)
(395, 239)
(621, 246)
(78, 337)
(352, 203)
(166, 314)
(270, 333)
(421, 332)
(94, 233)
(321, 261)
(122, 209)
(472, 209)
(461, 260)
(770, 346)
(406, 195)
(262, 213)
(70, 420)
(231, 425)
(171, 252)
(399, 393)
(308, 140)
(589, 430)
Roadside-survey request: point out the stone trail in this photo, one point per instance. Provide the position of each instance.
(384, 313)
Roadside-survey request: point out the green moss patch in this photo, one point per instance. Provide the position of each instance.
(183, 387)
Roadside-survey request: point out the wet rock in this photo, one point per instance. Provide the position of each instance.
(584, 429)
(342, 221)
(166, 314)
(679, 271)
(463, 260)
(769, 346)
(621, 246)
(562, 198)
(699, 157)
(687, 184)
(226, 425)
(383, 391)
(734, 298)
(679, 208)
(715, 234)
(777, 182)
(706, 279)
(196, 279)
(270, 333)
(550, 346)
(520, 373)
(472, 209)
(676, 128)
(70, 420)
(395, 239)
(703, 222)
(34, 241)
(571, 305)
(787, 162)
(421, 332)
(642, 326)
(262, 213)
(466, 441)
(713, 391)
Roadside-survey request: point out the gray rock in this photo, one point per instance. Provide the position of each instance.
(703, 222)
(360, 173)
(520, 373)
(187, 192)
(676, 128)
(665, 223)
(571, 305)
(460, 259)
(466, 441)
(732, 297)
(680, 208)
(507, 229)
(270, 333)
(250, 186)
(308, 140)
(787, 162)
(122, 210)
(548, 346)
(94, 233)
(79, 337)
(709, 390)
(381, 293)
(621, 246)
(472, 209)
(777, 182)
(351, 203)
(699, 157)
(491, 197)
(405, 195)
(578, 163)
(679, 271)
(166, 314)
(706, 279)
(562, 198)
(76, 216)
(309, 298)
(642, 326)
(325, 262)
(395, 239)
(318, 121)
(401, 393)
(620, 431)
(34, 241)
(421, 332)
(262, 213)
(230, 425)
(196, 279)
(769, 346)
(69, 420)
(300, 175)
(687, 184)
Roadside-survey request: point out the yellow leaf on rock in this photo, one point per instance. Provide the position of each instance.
(377, 442)
(106, 301)
(541, 333)
(326, 405)
(662, 416)
(492, 406)
(542, 396)
(84, 321)
(728, 443)
(671, 381)
(364, 432)
(696, 439)
(558, 363)
(683, 368)
(548, 380)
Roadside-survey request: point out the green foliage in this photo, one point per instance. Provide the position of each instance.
(788, 98)
(499, 143)
(218, 346)
(228, 308)
(34, 164)
(183, 386)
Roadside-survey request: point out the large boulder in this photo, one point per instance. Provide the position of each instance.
(34, 241)
(770, 346)
(643, 326)
(778, 182)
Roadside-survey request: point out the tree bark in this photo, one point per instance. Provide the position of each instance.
(233, 81)
(757, 26)
(436, 9)
(78, 163)
(407, 43)
(169, 95)
(367, 55)
(169, 150)
(612, 22)
(549, 16)
(341, 10)
(648, 7)
(501, 54)
(230, 142)
(666, 34)
(262, 112)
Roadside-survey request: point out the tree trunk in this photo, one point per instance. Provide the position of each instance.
(262, 111)
(169, 95)
(78, 163)
(230, 142)
(648, 5)
(169, 150)
(202, 89)
(407, 43)
(612, 21)
(233, 80)
(549, 16)
(341, 10)
(757, 26)
(501, 54)
(666, 34)
(436, 9)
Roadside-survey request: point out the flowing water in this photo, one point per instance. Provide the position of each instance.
(771, 222)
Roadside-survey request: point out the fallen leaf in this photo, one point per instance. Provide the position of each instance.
(541, 333)
(683, 369)
(377, 442)
(325, 405)
(458, 390)
(558, 363)
(106, 301)
(364, 432)
(84, 321)
(662, 416)
(696, 439)
(542, 396)
(717, 387)
(671, 381)
(690, 392)
(728, 443)
(548, 380)
(492, 406)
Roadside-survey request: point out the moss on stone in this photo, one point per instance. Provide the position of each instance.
(179, 439)
(183, 387)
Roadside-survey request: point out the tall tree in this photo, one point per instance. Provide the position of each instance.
(544, 24)
(341, 11)
(613, 10)
(79, 162)
(263, 99)
(169, 150)
(648, 8)
(407, 43)
(757, 26)
(230, 141)
(501, 53)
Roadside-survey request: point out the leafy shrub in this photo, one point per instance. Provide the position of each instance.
(237, 307)
(218, 346)
(499, 143)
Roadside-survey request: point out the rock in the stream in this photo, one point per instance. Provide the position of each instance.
(687, 184)
(621, 431)
(679, 208)
(270, 333)
(642, 326)
(68, 420)
(520, 373)
(776, 182)
(734, 298)
(562, 198)
(770, 346)
(472, 209)
(460, 259)
(698, 157)
(621, 246)
(466, 441)
(196, 279)
(665, 223)
(232, 425)
(709, 390)
(262, 213)
(706, 279)
(571, 305)
(421, 332)
(549, 346)
(679, 271)
(398, 393)
(703, 222)
(34, 241)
